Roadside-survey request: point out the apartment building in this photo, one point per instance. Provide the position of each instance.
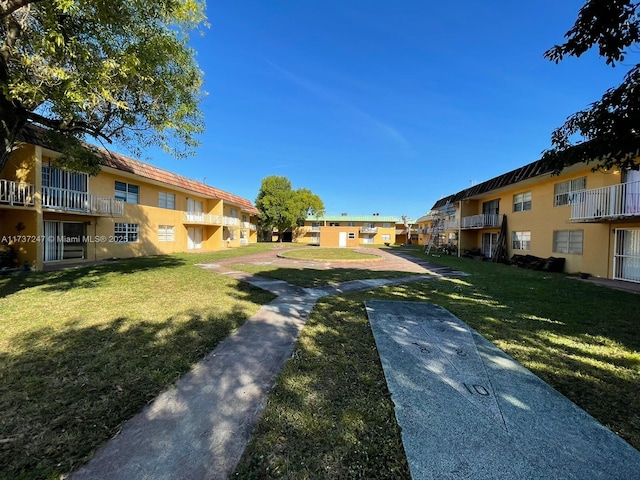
(49, 215)
(348, 230)
(591, 219)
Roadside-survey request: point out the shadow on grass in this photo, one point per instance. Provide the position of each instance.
(314, 277)
(84, 276)
(330, 414)
(580, 339)
(65, 390)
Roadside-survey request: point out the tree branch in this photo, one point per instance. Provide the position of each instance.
(71, 126)
(7, 7)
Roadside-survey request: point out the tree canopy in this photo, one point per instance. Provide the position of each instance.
(281, 207)
(116, 71)
(608, 132)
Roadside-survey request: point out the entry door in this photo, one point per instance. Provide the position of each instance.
(342, 239)
(194, 240)
(489, 241)
(626, 260)
(52, 247)
(194, 210)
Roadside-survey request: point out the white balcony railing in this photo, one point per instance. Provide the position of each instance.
(201, 218)
(313, 229)
(16, 193)
(249, 225)
(451, 224)
(231, 221)
(616, 201)
(485, 220)
(368, 229)
(80, 202)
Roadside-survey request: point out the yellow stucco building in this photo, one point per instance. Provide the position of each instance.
(52, 216)
(348, 230)
(591, 219)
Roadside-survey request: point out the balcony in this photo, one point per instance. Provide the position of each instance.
(70, 201)
(485, 220)
(249, 225)
(231, 221)
(201, 218)
(368, 229)
(313, 229)
(606, 203)
(17, 193)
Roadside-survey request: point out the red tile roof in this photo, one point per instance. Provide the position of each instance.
(37, 136)
(125, 164)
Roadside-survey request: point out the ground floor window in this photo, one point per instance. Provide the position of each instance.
(521, 240)
(351, 236)
(386, 237)
(166, 233)
(126, 232)
(626, 260)
(568, 241)
(64, 241)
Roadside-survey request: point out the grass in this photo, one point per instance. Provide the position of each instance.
(330, 254)
(83, 350)
(330, 407)
(315, 277)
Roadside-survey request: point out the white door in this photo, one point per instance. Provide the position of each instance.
(52, 247)
(194, 240)
(632, 197)
(626, 260)
(194, 210)
(342, 239)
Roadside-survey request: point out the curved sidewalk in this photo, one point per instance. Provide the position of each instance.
(198, 429)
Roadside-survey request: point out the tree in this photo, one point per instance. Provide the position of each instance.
(610, 127)
(116, 71)
(281, 207)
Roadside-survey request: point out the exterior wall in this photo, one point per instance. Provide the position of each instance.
(544, 218)
(330, 236)
(25, 165)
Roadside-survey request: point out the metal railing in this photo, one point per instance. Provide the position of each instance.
(231, 221)
(80, 202)
(368, 229)
(485, 220)
(622, 200)
(17, 193)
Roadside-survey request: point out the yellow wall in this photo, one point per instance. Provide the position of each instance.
(330, 236)
(544, 218)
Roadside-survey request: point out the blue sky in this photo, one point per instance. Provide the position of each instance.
(383, 106)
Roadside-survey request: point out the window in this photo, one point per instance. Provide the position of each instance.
(522, 201)
(126, 192)
(126, 232)
(491, 208)
(568, 241)
(167, 200)
(521, 240)
(386, 225)
(351, 235)
(316, 224)
(564, 191)
(351, 224)
(166, 233)
(233, 213)
(386, 237)
(334, 224)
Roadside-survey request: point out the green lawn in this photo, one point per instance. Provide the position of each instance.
(330, 408)
(83, 350)
(318, 254)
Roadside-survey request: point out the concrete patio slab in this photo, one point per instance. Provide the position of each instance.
(469, 411)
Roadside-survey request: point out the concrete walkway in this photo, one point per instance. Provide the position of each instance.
(198, 429)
